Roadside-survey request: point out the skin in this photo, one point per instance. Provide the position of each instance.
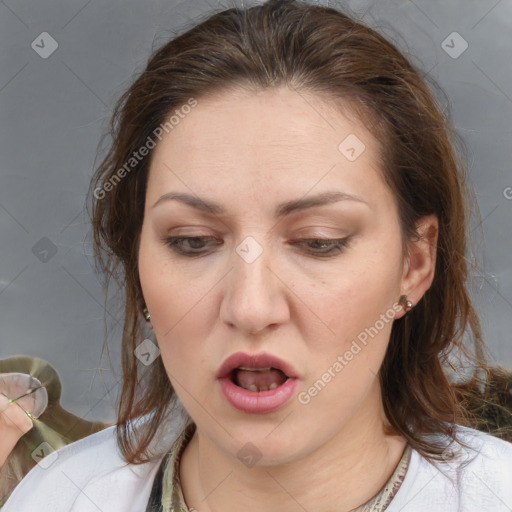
(249, 152)
(14, 423)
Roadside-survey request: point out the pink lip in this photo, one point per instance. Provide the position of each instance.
(256, 402)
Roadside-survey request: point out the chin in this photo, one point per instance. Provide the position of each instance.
(264, 445)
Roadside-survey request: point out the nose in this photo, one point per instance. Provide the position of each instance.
(255, 294)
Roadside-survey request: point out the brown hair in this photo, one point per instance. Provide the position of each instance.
(321, 50)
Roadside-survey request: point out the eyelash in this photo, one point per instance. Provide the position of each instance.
(337, 245)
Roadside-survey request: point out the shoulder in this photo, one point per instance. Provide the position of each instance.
(476, 477)
(490, 448)
(485, 458)
(90, 475)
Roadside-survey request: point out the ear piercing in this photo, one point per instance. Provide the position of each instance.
(405, 303)
(147, 316)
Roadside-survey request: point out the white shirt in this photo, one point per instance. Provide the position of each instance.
(89, 475)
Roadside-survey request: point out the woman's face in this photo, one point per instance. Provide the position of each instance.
(249, 282)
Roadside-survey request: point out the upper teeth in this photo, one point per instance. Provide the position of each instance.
(254, 369)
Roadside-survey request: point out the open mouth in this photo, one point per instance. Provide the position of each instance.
(258, 379)
(257, 383)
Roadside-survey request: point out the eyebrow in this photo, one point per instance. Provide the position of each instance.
(281, 210)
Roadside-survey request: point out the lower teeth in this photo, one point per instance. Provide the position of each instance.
(255, 388)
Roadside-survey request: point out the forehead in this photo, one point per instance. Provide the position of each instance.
(280, 142)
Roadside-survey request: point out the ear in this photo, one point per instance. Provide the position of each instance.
(420, 263)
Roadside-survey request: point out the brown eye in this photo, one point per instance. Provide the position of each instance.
(195, 244)
(317, 246)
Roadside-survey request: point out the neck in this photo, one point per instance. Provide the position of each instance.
(344, 473)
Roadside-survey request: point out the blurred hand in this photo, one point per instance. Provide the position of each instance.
(31, 395)
(14, 423)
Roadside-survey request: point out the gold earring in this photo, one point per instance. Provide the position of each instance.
(147, 316)
(405, 303)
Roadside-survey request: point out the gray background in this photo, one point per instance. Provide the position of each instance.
(54, 110)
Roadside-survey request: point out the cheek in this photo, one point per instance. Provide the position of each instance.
(181, 313)
(346, 362)
(166, 289)
(356, 297)
(355, 306)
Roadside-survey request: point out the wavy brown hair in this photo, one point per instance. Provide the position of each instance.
(327, 52)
